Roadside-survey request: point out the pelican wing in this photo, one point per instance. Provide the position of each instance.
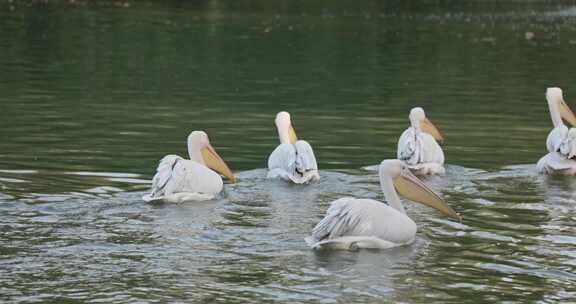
(295, 162)
(561, 145)
(568, 145)
(555, 162)
(556, 137)
(563, 141)
(407, 150)
(345, 217)
(177, 175)
(306, 165)
(282, 161)
(418, 147)
(169, 171)
(364, 222)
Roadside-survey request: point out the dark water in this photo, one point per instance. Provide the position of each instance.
(93, 94)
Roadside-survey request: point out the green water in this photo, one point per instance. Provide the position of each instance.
(93, 95)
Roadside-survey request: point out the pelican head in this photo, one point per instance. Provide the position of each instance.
(558, 108)
(285, 130)
(412, 188)
(419, 121)
(201, 150)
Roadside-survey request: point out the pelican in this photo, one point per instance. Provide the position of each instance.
(561, 141)
(352, 223)
(417, 146)
(293, 160)
(178, 179)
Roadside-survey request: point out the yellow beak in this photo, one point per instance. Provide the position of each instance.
(215, 162)
(567, 114)
(410, 187)
(292, 135)
(428, 127)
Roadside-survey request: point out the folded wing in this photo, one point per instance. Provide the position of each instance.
(563, 141)
(176, 175)
(364, 222)
(417, 148)
(295, 162)
(344, 217)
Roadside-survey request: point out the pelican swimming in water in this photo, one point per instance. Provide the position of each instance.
(293, 160)
(417, 146)
(178, 179)
(352, 223)
(561, 141)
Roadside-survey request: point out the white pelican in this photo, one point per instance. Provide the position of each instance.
(561, 141)
(352, 223)
(417, 146)
(178, 179)
(293, 160)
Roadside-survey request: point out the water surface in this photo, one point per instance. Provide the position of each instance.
(93, 95)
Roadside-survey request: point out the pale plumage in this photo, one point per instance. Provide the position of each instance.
(178, 179)
(352, 223)
(293, 160)
(561, 141)
(418, 147)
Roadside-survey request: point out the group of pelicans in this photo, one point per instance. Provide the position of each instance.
(352, 223)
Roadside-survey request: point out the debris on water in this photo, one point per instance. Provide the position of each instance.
(529, 35)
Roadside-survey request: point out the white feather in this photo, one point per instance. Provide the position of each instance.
(561, 145)
(421, 152)
(556, 137)
(293, 162)
(556, 163)
(178, 179)
(352, 223)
